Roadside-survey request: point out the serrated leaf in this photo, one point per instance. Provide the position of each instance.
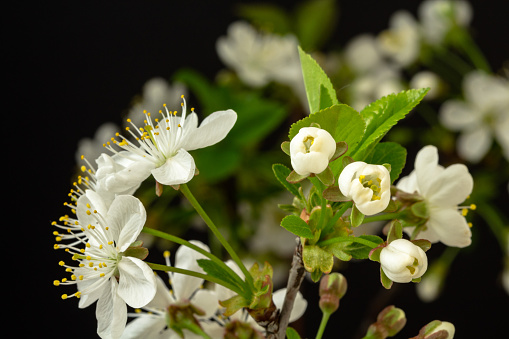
(342, 122)
(389, 153)
(297, 226)
(383, 114)
(281, 172)
(319, 90)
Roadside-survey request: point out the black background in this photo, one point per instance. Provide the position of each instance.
(73, 65)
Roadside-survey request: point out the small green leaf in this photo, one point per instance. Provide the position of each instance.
(389, 153)
(317, 259)
(281, 172)
(295, 177)
(384, 279)
(356, 217)
(285, 147)
(333, 193)
(292, 333)
(326, 177)
(422, 243)
(341, 148)
(395, 231)
(361, 251)
(320, 92)
(297, 226)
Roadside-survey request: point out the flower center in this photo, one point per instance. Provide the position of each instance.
(308, 142)
(373, 183)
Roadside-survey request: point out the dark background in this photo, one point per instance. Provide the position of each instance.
(73, 65)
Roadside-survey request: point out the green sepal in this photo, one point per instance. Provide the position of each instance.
(388, 166)
(136, 252)
(297, 226)
(326, 177)
(341, 148)
(285, 147)
(374, 254)
(294, 177)
(420, 209)
(233, 304)
(395, 231)
(281, 172)
(356, 217)
(416, 280)
(424, 244)
(333, 193)
(384, 279)
(347, 161)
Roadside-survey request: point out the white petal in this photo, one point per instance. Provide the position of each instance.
(207, 301)
(426, 167)
(126, 218)
(347, 176)
(184, 285)
(177, 170)
(96, 203)
(409, 183)
(299, 306)
(451, 227)
(111, 313)
(212, 130)
(457, 115)
(162, 298)
(451, 187)
(137, 282)
(474, 144)
(144, 326)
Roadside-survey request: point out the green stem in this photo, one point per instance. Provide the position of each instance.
(347, 239)
(323, 323)
(338, 215)
(190, 197)
(198, 249)
(212, 279)
(381, 217)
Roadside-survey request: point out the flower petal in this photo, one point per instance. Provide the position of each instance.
(450, 226)
(347, 175)
(177, 170)
(207, 301)
(137, 282)
(474, 144)
(184, 285)
(427, 168)
(299, 306)
(212, 130)
(126, 218)
(457, 115)
(144, 326)
(451, 187)
(111, 313)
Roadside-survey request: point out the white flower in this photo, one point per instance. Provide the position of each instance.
(362, 54)
(428, 79)
(90, 148)
(153, 322)
(401, 41)
(260, 58)
(310, 150)
(106, 274)
(483, 114)
(369, 186)
(155, 93)
(402, 261)
(442, 189)
(437, 17)
(162, 146)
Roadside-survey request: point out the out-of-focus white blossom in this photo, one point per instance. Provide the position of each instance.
(481, 116)
(310, 150)
(443, 189)
(427, 79)
(401, 41)
(437, 17)
(91, 148)
(362, 54)
(402, 261)
(369, 186)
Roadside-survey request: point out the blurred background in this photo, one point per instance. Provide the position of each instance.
(74, 66)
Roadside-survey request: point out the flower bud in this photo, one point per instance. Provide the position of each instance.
(239, 330)
(310, 150)
(332, 288)
(402, 261)
(389, 322)
(369, 186)
(437, 330)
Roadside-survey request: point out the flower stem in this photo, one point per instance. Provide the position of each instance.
(338, 215)
(212, 279)
(347, 239)
(323, 323)
(190, 197)
(381, 217)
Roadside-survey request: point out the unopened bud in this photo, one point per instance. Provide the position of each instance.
(332, 288)
(437, 330)
(389, 322)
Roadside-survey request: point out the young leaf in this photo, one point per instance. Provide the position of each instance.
(361, 251)
(395, 231)
(215, 270)
(388, 153)
(297, 226)
(319, 90)
(334, 194)
(356, 217)
(282, 172)
(383, 114)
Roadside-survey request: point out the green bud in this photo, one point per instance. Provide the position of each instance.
(389, 322)
(332, 288)
(240, 330)
(436, 330)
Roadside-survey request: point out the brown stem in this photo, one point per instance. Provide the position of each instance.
(277, 328)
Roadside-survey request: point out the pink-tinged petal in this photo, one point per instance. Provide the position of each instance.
(299, 306)
(184, 285)
(111, 313)
(451, 187)
(212, 130)
(126, 218)
(177, 170)
(137, 282)
(474, 144)
(450, 226)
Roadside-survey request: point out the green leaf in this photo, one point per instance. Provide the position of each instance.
(361, 251)
(395, 231)
(319, 90)
(292, 333)
(389, 153)
(422, 243)
(384, 279)
(295, 177)
(326, 177)
(297, 226)
(383, 114)
(315, 21)
(356, 217)
(316, 259)
(217, 271)
(334, 194)
(282, 172)
(342, 122)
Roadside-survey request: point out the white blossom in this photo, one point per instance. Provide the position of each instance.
(90, 148)
(105, 273)
(161, 146)
(481, 116)
(369, 186)
(311, 149)
(427, 79)
(402, 261)
(443, 189)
